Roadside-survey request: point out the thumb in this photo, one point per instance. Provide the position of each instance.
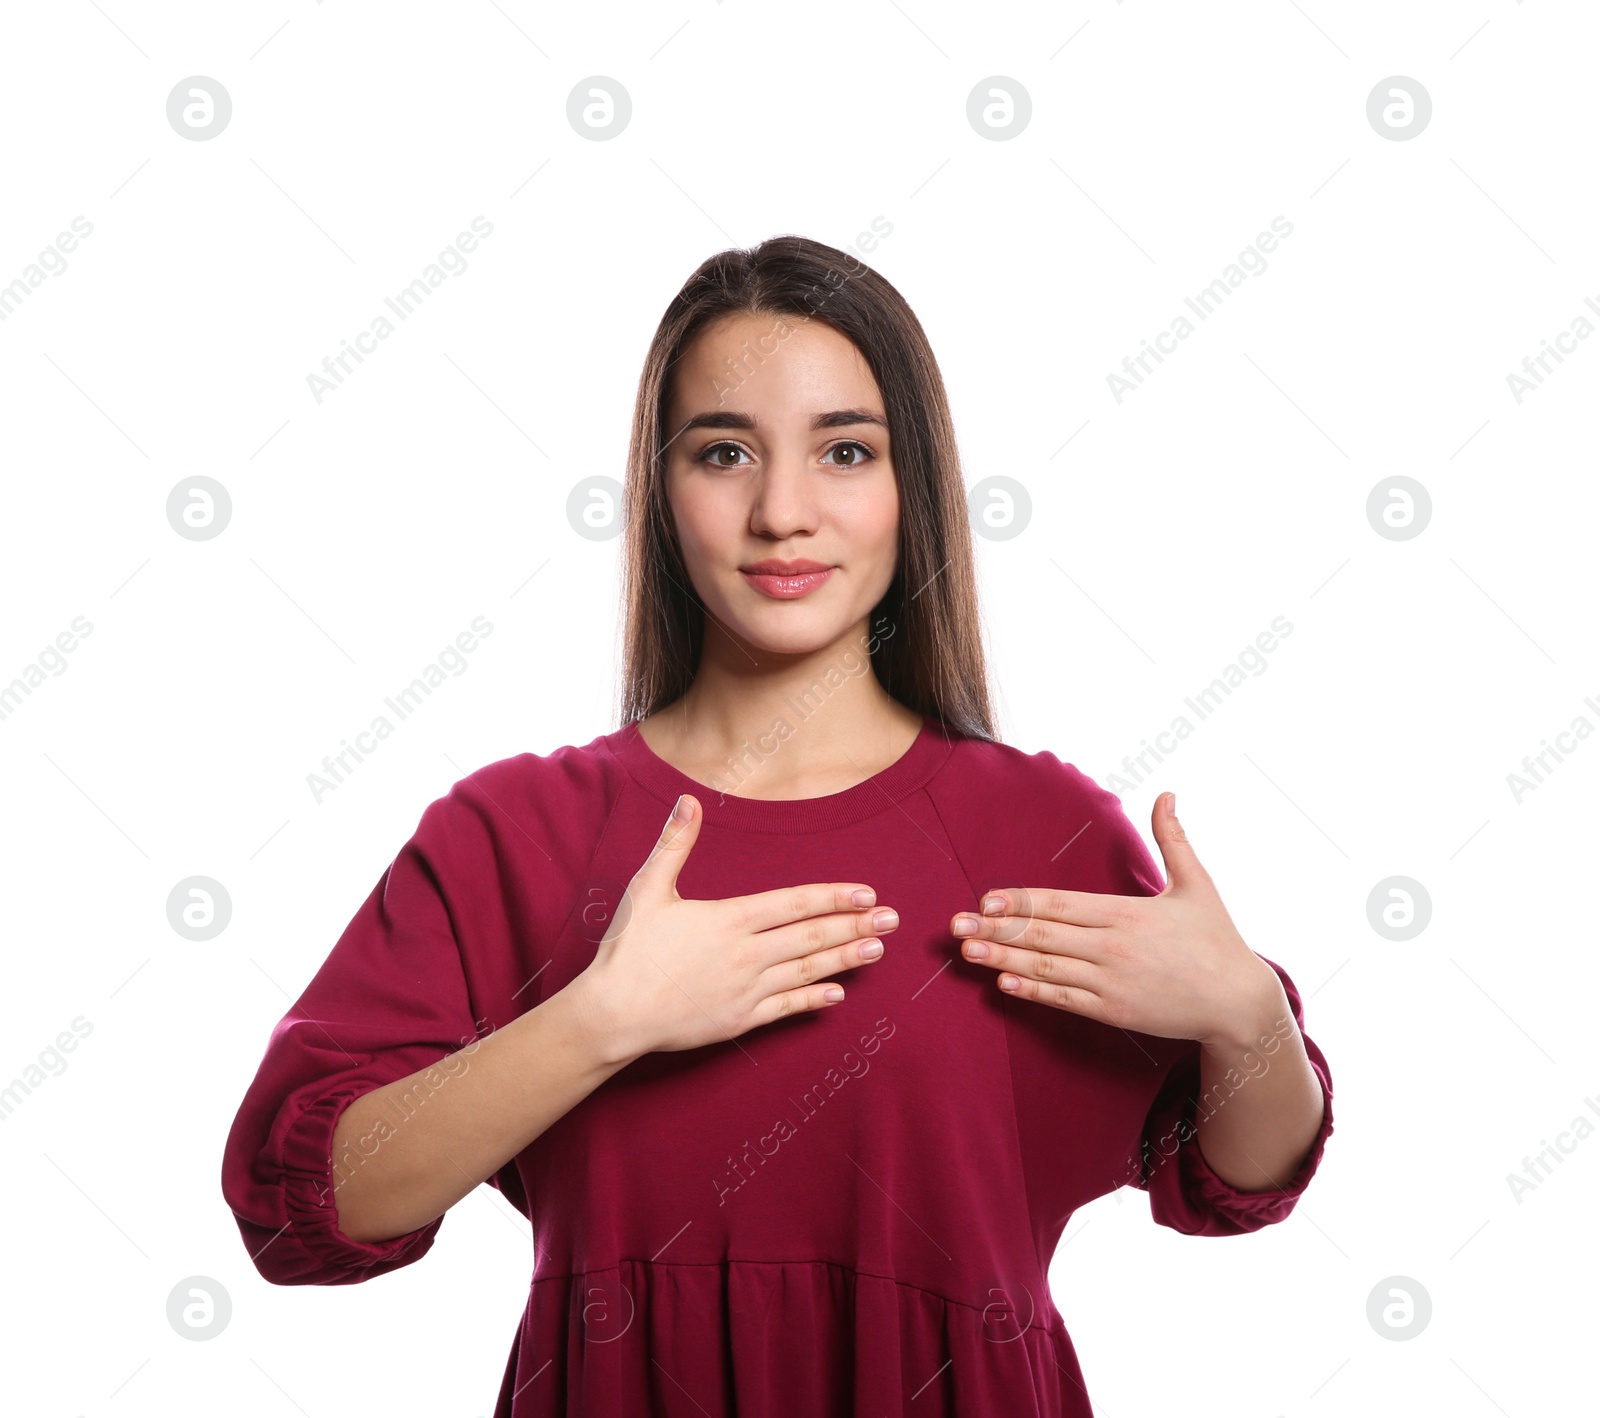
(660, 872)
(1181, 861)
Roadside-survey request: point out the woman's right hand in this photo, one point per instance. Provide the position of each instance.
(675, 974)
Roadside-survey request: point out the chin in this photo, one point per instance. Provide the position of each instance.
(793, 637)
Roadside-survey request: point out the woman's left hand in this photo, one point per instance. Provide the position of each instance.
(1171, 965)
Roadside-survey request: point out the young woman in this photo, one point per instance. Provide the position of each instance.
(798, 1014)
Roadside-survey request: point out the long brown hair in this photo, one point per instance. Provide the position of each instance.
(924, 635)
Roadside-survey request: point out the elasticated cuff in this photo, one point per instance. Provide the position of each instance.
(325, 1254)
(1251, 1210)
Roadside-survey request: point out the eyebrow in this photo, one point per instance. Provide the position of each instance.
(836, 418)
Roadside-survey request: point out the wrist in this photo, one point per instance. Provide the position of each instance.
(605, 1037)
(1261, 1018)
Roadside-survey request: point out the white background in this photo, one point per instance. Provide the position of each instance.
(369, 529)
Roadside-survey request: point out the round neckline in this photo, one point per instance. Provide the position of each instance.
(872, 795)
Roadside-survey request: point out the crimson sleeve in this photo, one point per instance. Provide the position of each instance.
(1185, 1193)
(390, 999)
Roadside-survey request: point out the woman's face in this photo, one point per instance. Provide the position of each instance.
(779, 453)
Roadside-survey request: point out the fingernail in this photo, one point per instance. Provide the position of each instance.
(871, 950)
(833, 994)
(680, 809)
(864, 897)
(963, 925)
(886, 919)
(1172, 804)
(994, 906)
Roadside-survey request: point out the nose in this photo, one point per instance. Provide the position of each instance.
(784, 497)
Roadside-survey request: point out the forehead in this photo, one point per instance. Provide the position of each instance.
(768, 365)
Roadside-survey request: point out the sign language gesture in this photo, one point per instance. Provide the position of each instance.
(675, 973)
(1171, 965)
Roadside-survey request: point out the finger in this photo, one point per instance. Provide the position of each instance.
(788, 944)
(659, 874)
(1071, 998)
(787, 1002)
(764, 910)
(1177, 854)
(808, 969)
(1034, 933)
(1073, 908)
(1043, 967)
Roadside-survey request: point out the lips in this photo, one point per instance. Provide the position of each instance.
(772, 566)
(786, 580)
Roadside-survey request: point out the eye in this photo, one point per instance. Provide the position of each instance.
(854, 461)
(718, 455)
(712, 454)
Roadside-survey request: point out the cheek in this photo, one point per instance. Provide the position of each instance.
(889, 523)
(876, 518)
(703, 520)
(687, 514)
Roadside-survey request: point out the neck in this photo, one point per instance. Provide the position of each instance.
(778, 726)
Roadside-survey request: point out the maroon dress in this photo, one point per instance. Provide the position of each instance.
(852, 1211)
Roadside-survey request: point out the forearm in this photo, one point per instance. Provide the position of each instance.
(1261, 1104)
(406, 1152)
